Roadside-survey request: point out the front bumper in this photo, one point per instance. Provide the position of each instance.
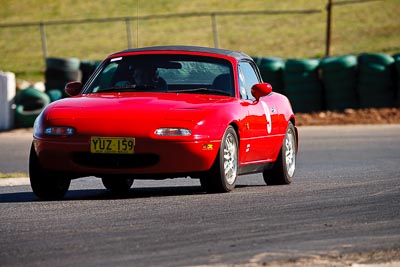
(152, 157)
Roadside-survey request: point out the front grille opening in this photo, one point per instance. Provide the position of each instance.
(116, 161)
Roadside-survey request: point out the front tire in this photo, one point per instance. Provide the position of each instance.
(117, 184)
(284, 168)
(45, 184)
(223, 175)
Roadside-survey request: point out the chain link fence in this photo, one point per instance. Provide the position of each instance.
(357, 26)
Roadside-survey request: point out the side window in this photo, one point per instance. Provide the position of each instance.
(106, 76)
(247, 78)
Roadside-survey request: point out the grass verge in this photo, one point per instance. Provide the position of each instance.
(13, 175)
(365, 26)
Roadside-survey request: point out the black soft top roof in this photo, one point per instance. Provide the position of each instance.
(234, 54)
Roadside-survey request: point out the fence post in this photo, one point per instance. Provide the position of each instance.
(128, 32)
(44, 42)
(215, 29)
(328, 28)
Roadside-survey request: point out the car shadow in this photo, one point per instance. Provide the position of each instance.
(103, 194)
(134, 193)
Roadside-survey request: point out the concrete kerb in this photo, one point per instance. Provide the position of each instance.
(14, 181)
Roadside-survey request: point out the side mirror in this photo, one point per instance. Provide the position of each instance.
(261, 89)
(73, 88)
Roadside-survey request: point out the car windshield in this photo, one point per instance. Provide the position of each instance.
(164, 73)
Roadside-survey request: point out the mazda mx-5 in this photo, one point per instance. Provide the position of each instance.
(165, 112)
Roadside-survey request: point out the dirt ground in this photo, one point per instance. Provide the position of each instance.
(350, 116)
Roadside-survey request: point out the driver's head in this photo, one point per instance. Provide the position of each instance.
(145, 75)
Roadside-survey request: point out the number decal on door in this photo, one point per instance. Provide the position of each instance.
(267, 116)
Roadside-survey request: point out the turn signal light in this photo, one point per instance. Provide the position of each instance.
(173, 132)
(60, 131)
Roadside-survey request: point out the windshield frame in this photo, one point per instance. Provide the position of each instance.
(223, 62)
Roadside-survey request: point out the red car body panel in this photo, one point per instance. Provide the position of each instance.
(260, 126)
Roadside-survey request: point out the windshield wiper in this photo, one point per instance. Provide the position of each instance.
(117, 88)
(202, 90)
(127, 88)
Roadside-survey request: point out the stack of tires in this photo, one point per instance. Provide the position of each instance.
(29, 103)
(271, 70)
(339, 78)
(60, 71)
(397, 64)
(375, 86)
(302, 84)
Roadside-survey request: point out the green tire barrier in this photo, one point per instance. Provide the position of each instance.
(29, 103)
(333, 64)
(301, 65)
(63, 64)
(377, 58)
(55, 94)
(339, 82)
(60, 71)
(25, 119)
(375, 80)
(301, 77)
(65, 75)
(369, 80)
(307, 88)
(56, 79)
(302, 84)
(397, 77)
(345, 75)
(271, 70)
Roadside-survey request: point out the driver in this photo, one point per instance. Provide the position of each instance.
(148, 76)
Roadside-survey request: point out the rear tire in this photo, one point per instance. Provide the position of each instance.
(117, 184)
(284, 168)
(222, 178)
(45, 184)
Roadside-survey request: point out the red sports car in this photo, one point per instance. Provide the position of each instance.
(165, 112)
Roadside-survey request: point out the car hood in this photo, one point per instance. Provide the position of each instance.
(132, 113)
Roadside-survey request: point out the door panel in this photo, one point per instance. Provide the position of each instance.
(263, 122)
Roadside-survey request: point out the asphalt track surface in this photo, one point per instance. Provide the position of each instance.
(344, 200)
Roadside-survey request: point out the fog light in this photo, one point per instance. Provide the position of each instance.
(61, 131)
(173, 132)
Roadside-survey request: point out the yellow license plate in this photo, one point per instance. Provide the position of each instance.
(112, 145)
